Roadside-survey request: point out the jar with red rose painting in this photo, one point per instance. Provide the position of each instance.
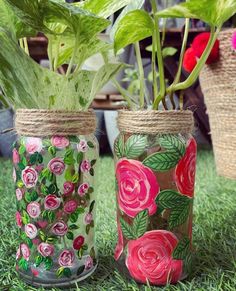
(54, 177)
(155, 157)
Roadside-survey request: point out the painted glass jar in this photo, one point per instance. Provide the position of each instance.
(155, 175)
(54, 178)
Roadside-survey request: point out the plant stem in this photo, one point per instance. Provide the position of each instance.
(141, 73)
(159, 56)
(56, 56)
(195, 73)
(50, 57)
(73, 57)
(21, 43)
(26, 46)
(123, 92)
(4, 101)
(154, 74)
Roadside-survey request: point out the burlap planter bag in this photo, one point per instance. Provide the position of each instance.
(155, 161)
(55, 163)
(218, 82)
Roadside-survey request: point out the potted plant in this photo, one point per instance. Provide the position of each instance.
(156, 154)
(55, 158)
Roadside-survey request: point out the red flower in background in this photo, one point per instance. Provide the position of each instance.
(189, 61)
(186, 169)
(199, 44)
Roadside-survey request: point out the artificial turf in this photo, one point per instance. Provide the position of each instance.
(214, 233)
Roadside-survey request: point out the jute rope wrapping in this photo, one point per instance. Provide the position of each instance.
(42, 123)
(218, 82)
(155, 122)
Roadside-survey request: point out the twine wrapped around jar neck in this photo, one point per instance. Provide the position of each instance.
(155, 122)
(41, 123)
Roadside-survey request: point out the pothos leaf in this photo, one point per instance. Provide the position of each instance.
(220, 11)
(126, 34)
(135, 146)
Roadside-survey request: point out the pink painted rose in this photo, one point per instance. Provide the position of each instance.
(36, 241)
(42, 223)
(68, 188)
(59, 228)
(33, 144)
(14, 175)
(25, 251)
(88, 218)
(19, 194)
(56, 166)
(70, 206)
(31, 230)
(83, 188)
(15, 156)
(60, 142)
(88, 263)
(29, 177)
(45, 249)
(82, 146)
(186, 169)
(33, 209)
(35, 272)
(52, 202)
(120, 244)
(78, 242)
(18, 253)
(18, 219)
(85, 166)
(66, 258)
(150, 258)
(138, 187)
(39, 168)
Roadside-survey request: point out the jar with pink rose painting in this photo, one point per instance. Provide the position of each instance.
(54, 179)
(155, 161)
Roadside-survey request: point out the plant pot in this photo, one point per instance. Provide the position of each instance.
(55, 163)
(218, 82)
(155, 173)
(6, 139)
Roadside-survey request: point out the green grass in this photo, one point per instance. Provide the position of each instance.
(214, 233)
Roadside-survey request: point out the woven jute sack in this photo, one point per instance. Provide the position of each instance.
(218, 82)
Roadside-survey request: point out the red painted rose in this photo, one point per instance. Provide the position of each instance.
(78, 242)
(52, 202)
(68, 188)
(59, 228)
(56, 166)
(18, 219)
(186, 169)
(66, 258)
(70, 206)
(45, 249)
(33, 209)
(60, 142)
(15, 156)
(29, 177)
(150, 258)
(138, 187)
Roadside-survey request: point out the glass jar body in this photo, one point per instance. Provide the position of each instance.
(55, 183)
(155, 178)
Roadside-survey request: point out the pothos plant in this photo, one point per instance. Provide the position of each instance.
(137, 25)
(72, 31)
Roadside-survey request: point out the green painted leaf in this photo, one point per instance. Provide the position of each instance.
(48, 263)
(168, 199)
(73, 227)
(44, 190)
(179, 214)
(74, 139)
(74, 217)
(80, 270)
(42, 236)
(93, 162)
(75, 178)
(140, 223)
(68, 175)
(92, 253)
(80, 210)
(214, 12)
(51, 216)
(60, 271)
(87, 229)
(24, 161)
(91, 207)
(25, 217)
(79, 157)
(22, 149)
(80, 253)
(70, 235)
(51, 240)
(29, 242)
(21, 166)
(173, 143)
(162, 161)
(23, 264)
(135, 146)
(91, 172)
(126, 34)
(119, 146)
(90, 144)
(182, 249)
(90, 190)
(52, 189)
(127, 229)
(29, 197)
(52, 150)
(38, 260)
(67, 272)
(69, 157)
(85, 247)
